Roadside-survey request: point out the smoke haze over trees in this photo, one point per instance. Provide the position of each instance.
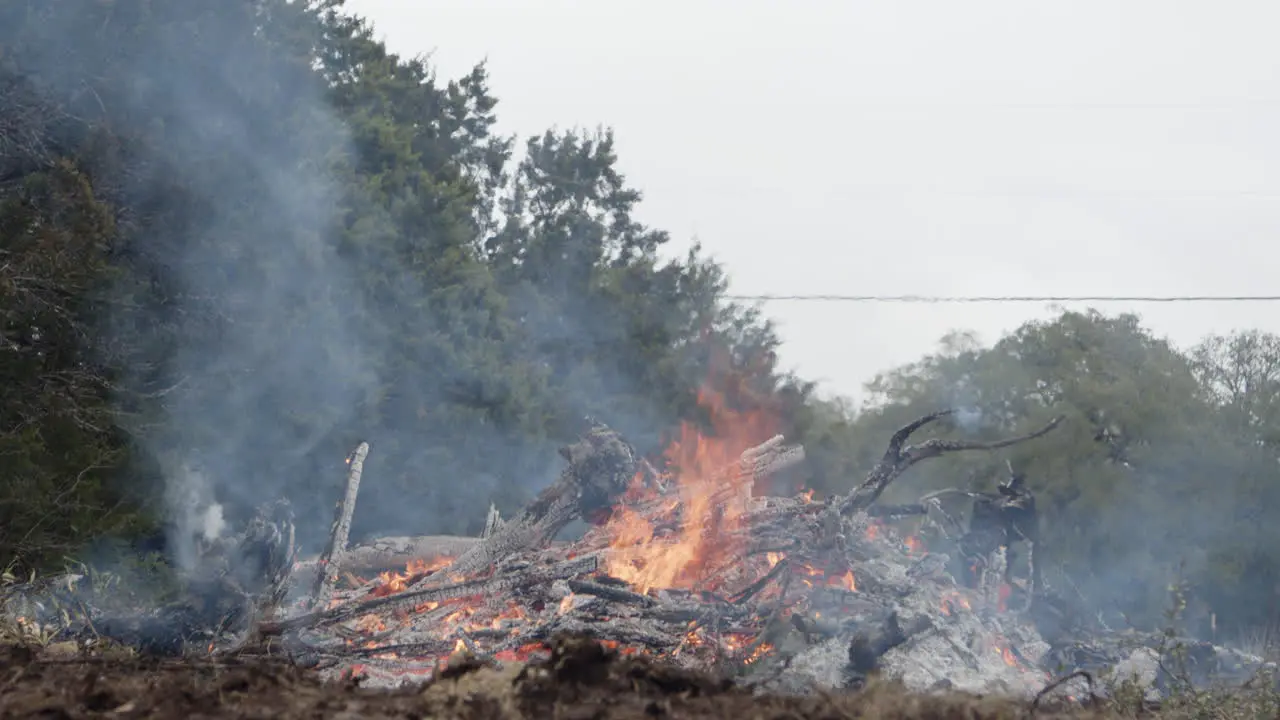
(237, 237)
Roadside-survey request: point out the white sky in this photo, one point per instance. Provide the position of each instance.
(913, 147)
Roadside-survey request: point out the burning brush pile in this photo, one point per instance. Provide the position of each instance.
(686, 565)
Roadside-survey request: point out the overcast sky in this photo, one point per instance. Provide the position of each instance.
(913, 147)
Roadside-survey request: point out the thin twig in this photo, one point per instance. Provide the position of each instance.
(1088, 678)
(754, 588)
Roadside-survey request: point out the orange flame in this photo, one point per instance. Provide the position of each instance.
(760, 651)
(1001, 647)
(843, 581)
(712, 503)
(390, 583)
(520, 654)
(952, 601)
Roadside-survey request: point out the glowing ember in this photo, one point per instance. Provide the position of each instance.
(1000, 646)
(760, 651)
(712, 504)
(522, 653)
(370, 624)
(843, 581)
(914, 544)
(812, 572)
(1004, 593)
(953, 601)
(390, 583)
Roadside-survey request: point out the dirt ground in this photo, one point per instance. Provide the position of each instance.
(580, 681)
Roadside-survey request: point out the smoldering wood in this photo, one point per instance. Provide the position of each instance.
(601, 466)
(409, 599)
(994, 575)
(1003, 520)
(873, 640)
(329, 563)
(899, 456)
(237, 582)
(426, 647)
(511, 599)
(1022, 523)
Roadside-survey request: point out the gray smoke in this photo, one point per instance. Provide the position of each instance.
(257, 296)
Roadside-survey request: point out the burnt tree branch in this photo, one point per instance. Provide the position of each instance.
(330, 560)
(899, 457)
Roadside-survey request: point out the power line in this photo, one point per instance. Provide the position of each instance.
(908, 105)
(1005, 298)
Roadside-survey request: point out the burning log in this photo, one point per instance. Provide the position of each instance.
(899, 456)
(346, 507)
(754, 464)
(601, 465)
(768, 458)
